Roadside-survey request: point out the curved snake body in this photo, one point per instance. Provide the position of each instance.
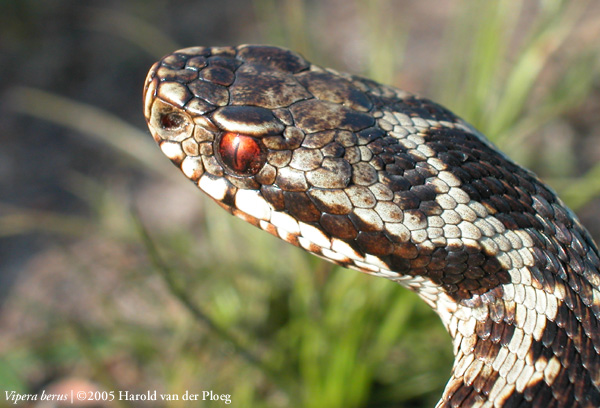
(394, 185)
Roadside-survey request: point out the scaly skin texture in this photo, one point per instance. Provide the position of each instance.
(379, 180)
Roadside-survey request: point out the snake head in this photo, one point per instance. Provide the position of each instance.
(330, 162)
(364, 175)
(270, 137)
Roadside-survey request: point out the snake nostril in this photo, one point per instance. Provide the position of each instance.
(241, 153)
(172, 121)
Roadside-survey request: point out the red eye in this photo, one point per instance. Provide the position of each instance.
(241, 153)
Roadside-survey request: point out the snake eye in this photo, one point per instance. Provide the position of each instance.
(241, 153)
(172, 121)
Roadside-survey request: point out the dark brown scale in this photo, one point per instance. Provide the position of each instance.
(479, 381)
(407, 200)
(475, 273)
(420, 107)
(462, 174)
(484, 331)
(369, 136)
(507, 331)
(274, 195)
(176, 61)
(450, 289)
(539, 350)
(218, 75)
(338, 226)
(494, 271)
(497, 312)
(220, 61)
(437, 264)
(246, 88)
(481, 259)
(178, 75)
(475, 169)
(425, 170)
(229, 199)
(532, 220)
(320, 139)
(331, 116)
(406, 251)
(394, 169)
(482, 189)
(329, 87)
(521, 219)
(279, 158)
(515, 205)
(563, 235)
(454, 269)
(242, 182)
(458, 397)
(299, 206)
(450, 279)
(488, 383)
(273, 57)
(333, 150)
(497, 330)
(375, 243)
(378, 163)
(414, 178)
(578, 243)
(435, 275)
(196, 63)
(212, 93)
(430, 208)
(440, 253)
(473, 398)
(511, 191)
(560, 339)
(470, 287)
(457, 256)
(421, 262)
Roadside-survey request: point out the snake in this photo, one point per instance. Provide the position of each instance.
(391, 184)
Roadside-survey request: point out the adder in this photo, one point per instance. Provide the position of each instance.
(394, 185)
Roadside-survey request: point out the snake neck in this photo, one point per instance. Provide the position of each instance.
(526, 343)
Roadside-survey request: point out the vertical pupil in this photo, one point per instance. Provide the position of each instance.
(241, 153)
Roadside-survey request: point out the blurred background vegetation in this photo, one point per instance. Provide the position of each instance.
(117, 274)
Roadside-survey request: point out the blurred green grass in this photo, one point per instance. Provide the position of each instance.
(306, 333)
